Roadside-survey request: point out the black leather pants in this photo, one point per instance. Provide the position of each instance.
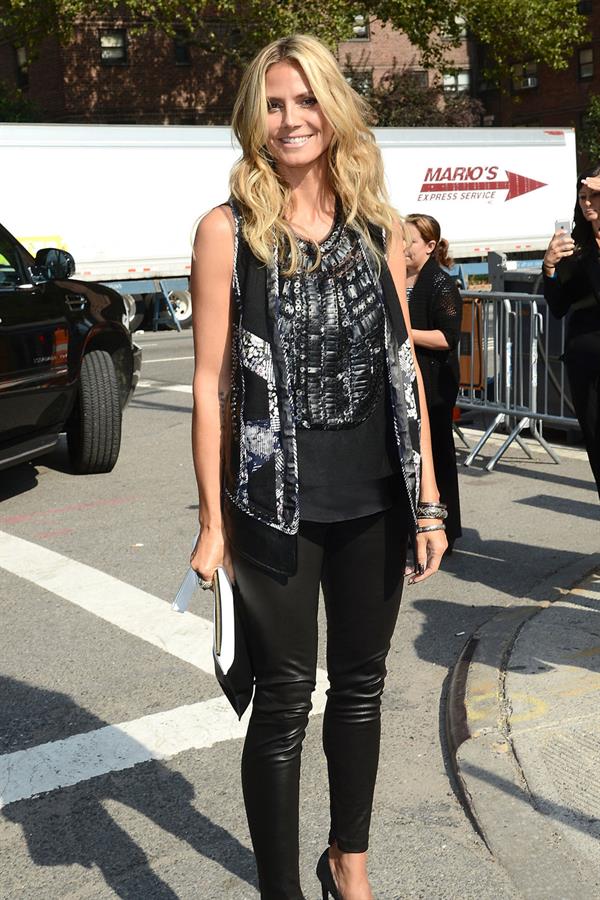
(583, 368)
(360, 564)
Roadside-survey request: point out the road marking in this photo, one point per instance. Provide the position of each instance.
(58, 532)
(188, 637)
(56, 764)
(72, 507)
(166, 359)
(159, 386)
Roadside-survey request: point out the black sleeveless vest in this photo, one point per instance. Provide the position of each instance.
(260, 501)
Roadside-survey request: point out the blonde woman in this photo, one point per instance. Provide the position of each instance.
(311, 459)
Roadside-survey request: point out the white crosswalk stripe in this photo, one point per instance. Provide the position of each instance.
(159, 386)
(57, 764)
(46, 767)
(150, 362)
(147, 617)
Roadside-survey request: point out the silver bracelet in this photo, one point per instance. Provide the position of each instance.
(432, 511)
(422, 529)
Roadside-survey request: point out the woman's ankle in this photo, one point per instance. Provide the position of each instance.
(348, 863)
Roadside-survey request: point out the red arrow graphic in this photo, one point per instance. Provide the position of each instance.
(516, 185)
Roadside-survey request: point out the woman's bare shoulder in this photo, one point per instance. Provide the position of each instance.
(216, 226)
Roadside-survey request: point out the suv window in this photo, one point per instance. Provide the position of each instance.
(10, 265)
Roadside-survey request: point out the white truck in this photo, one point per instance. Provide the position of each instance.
(124, 199)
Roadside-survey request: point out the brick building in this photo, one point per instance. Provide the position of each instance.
(377, 48)
(538, 95)
(111, 73)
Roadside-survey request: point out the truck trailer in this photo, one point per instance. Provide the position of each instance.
(124, 199)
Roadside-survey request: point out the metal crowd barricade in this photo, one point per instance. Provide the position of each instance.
(510, 368)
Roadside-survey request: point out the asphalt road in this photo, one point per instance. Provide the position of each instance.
(152, 808)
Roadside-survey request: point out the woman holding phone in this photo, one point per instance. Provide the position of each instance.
(311, 443)
(571, 271)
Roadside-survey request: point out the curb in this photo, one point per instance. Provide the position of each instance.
(492, 786)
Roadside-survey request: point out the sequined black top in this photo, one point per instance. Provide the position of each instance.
(332, 328)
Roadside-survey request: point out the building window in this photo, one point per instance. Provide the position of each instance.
(462, 30)
(113, 47)
(360, 29)
(457, 82)
(584, 7)
(361, 80)
(524, 76)
(419, 78)
(181, 49)
(585, 63)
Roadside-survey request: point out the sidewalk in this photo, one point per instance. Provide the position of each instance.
(524, 728)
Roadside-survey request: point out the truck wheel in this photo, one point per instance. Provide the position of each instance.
(134, 318)
(94, 429)
(181, 301)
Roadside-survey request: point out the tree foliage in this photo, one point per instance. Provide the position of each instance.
(14, 106)
(510, 30)
(589, 136)
(402, 99)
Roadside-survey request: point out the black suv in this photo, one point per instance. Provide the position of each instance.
(67, 361)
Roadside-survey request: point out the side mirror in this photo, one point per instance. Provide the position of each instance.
(52, 263)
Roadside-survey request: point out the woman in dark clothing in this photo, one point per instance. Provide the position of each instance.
(302, 345)
(572, 287)
(435, 307)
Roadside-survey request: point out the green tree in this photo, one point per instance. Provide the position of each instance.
(511, 30)
(589, 136)
(14, 106)
(403, 99)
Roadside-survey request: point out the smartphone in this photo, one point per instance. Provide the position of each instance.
(562, 224)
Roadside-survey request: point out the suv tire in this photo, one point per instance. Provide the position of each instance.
(94, 428)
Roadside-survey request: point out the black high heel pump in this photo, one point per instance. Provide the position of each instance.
(325, 876)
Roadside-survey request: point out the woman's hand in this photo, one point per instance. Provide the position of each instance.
(561, 245)
(431, 546)
(592, 182)
(211, 550)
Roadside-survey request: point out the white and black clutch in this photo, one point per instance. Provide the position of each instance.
(233, 667)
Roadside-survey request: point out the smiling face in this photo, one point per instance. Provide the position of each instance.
(298, 132)
(419, 251)
(589, 204)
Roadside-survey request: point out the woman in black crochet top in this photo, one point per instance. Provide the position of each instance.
(435, 307)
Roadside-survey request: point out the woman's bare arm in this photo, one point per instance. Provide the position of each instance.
(430, 340)
(211, 280)
(430, 545)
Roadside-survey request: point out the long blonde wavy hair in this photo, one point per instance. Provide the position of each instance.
(355, 164)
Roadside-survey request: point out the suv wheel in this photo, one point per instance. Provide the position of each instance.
(94, 429)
